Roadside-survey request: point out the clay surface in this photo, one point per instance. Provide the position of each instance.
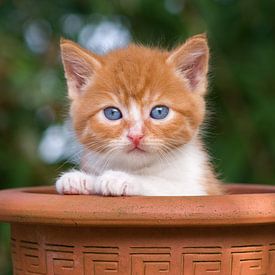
(216, 235)
(247, 250)
(42, 205)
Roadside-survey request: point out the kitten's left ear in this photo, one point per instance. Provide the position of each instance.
(191, 62)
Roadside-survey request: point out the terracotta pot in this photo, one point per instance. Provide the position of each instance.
(54, 234)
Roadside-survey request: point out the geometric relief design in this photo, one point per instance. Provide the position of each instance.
(101, 260)
(16, 257)
(202, 261)
(150, 260)
(248, 260)
(60, 259)
(32, 257)
(35, 258)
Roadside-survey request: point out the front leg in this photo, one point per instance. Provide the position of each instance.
(75, 182)
(116, 183)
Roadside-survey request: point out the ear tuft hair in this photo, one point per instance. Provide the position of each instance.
(79, 65)
(191, 62)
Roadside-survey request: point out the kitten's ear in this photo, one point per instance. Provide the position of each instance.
(79, 66)
(191, 62)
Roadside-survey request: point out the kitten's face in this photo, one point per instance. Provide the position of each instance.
(137, 101)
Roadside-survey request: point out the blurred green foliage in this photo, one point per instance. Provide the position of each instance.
(241, 133)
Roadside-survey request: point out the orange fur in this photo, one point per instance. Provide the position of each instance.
(148, 77)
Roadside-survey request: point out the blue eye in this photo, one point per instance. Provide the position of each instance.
(112, 113)
(159, 112)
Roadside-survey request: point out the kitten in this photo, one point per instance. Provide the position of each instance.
(138, 111)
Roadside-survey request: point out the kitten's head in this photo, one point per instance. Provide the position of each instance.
(137, 101)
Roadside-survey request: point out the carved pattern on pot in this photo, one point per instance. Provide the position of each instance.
(46, 258)
(101, 260)
(150, 260)
(248, 258)
(202, 260)
(60, 258)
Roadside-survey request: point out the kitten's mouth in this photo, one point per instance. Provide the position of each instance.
(136, 149)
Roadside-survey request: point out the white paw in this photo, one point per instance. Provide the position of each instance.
(115, 183)
(75, 182)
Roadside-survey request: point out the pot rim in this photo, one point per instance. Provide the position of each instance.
(242, 205)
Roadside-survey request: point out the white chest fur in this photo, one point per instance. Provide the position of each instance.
(179, 173)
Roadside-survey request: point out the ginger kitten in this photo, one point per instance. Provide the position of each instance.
(138, 111)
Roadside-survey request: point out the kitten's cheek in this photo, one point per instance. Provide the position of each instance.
(116, 183)
(75, 182)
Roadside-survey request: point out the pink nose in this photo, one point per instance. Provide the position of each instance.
(135, 138)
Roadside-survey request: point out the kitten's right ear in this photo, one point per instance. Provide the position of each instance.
(79, 66)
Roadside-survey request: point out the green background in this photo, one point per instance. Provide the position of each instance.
(240, 132)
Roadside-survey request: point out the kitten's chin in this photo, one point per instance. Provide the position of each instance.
(137, 159)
